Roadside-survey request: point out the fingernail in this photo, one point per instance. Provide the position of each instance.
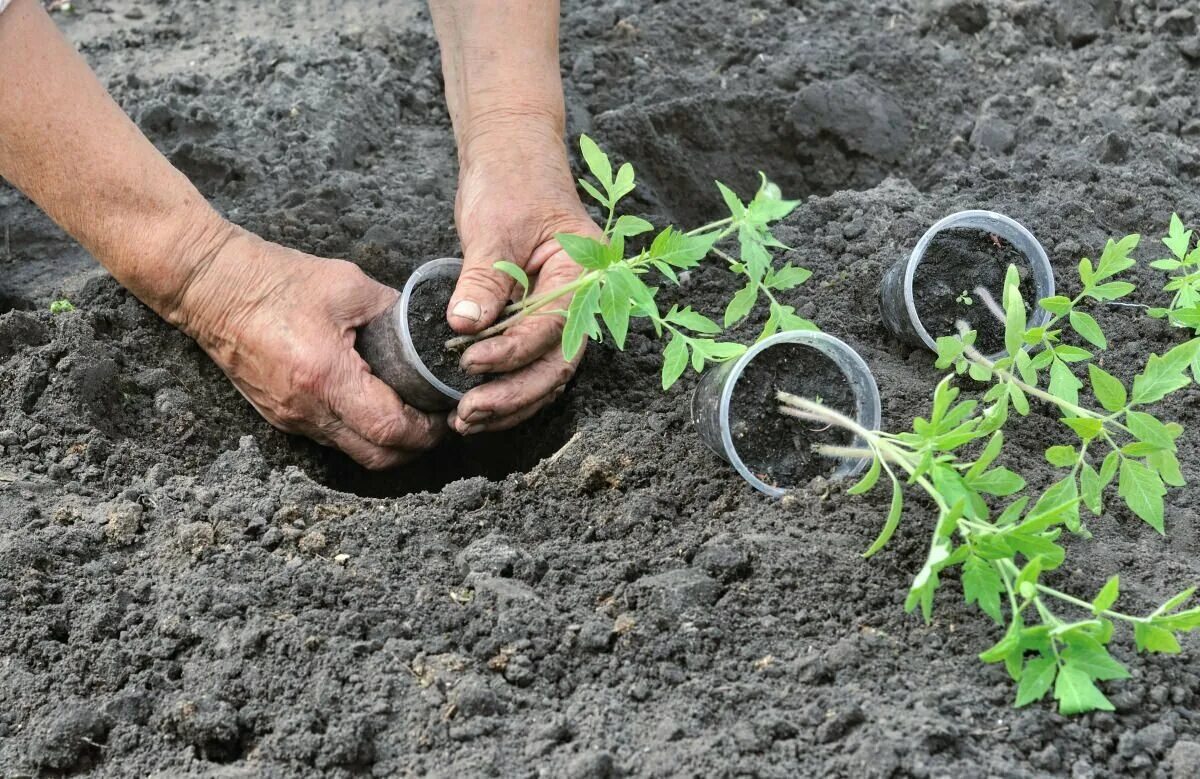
(467, 309)
(481, 415)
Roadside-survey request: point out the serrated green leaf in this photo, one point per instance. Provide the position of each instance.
(629, 226)
(1076, 693)
(788, 277)
(588, 252)
(1088, 329)
(679, 249)
(1149, 430)
(693, 320)
(1086, 428)
(1178, 239)
(736, 208)
(1090, 656)
(982, 585)
(1116, 257)
(1036, 679)
(999, 482)
(1143, 492)
(1155, 639)
(675, 361)
(1160, 378)
(581, 320)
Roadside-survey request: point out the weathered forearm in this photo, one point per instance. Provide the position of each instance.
(500, 62)
(70, 148)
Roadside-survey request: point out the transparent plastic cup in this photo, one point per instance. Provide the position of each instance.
(711, 400)
(896, 301)
(387, 346)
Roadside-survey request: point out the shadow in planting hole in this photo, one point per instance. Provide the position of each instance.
(491, 455)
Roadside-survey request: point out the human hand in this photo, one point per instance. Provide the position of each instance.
(515, 193)
(281, 325)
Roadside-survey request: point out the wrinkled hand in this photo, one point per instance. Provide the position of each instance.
(515, 193)
(281, 324)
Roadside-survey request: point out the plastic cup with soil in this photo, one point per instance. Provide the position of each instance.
(406, 345)
(737, 411)
(956, 273)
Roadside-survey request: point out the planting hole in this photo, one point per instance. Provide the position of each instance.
(779, 449)
(491, 455)
(961, 277)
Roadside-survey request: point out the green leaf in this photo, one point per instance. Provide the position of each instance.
(999, 482)
(675, 360)
(581, 320)
(1089, 655)
(1148, 429)
(1116, 257)
(1163, 375)
(1154, 639)
(1057, 305)
(629, 226)
(1143, 492)
(867, 482)
(736, 208)
(741, 304)
(1014, 321)
(892, 522)
(1076, 694)
(1107, 596)
(588, 252)
(755, 258)
(597, 161)
(693, 320)
(1068, 353)
(1107, 389)
(602, 199)
(1063, 383)
(1113, 290)
(1088, 329)
(516, 272)
(1019, 401)
(1175, 601)
(982, 585)
(614, 310)
(788, 277)
(1091, 488)
(679, 249)
(1086, 428)
(1036, 679)
(624, 182)
(1062, 456)
(1178, 239)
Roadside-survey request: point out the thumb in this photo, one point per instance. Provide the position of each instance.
(482, 291)
(363, 299)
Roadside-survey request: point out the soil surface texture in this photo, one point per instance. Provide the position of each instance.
(430, 332)
(778, 448)
(185, 591)
(957, 264)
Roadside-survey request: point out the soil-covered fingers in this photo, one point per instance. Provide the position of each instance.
(508, 400)
(532, 337)
(371, 410)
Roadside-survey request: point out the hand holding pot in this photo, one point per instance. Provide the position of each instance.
(514, 194)
(281, 325)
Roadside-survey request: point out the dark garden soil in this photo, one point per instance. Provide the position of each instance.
(778, 448)
(957, 263)
(430, 331)
(186, 592)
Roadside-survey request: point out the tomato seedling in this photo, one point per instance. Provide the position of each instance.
(612, 289)
(1183, 267)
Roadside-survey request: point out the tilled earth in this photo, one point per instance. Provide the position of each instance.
(185, 591)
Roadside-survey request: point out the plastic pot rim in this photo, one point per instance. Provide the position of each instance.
(1039, 264)
(869, 407)
(430, 270)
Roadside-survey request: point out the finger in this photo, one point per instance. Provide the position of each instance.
(510, 393)
(482, 291)
(496, 424)
(362, 451)
(374, 412)
(362, 298)
(534, 336)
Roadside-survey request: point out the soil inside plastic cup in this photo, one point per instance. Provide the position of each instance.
(778, 448)
(957, 264)
(430, 331)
